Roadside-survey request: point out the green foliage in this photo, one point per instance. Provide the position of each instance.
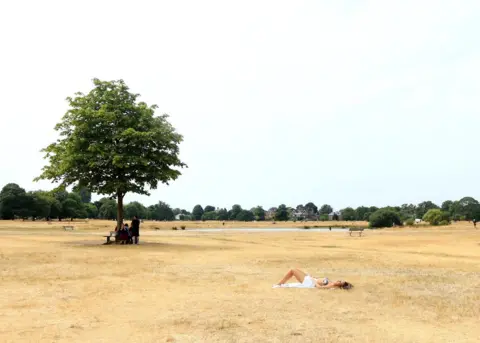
(311, 208)
(91, 210)
(281, 214)
(447, 206)
(360, 212)
(209, 216)
(108, 209)
(259, 213)
(467, 207)
(384, 218)
(13, 201)
(410, 222)
(326, 209)
(323, 217)
(73, 207)
(209, 208)
(197, 212)
(245, 216)
(135, 208)
(423, 208)
(85, 194)
(234, 212)
(161, 211)
(55, 209)
(436, 216)
(222, 214)
(349, 214)
(42, 204)
(111, 144)
(367, 215)
(407, 211)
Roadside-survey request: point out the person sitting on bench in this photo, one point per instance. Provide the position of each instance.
(129, 231)
(122, 235)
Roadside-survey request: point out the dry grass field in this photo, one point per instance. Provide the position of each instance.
(411, 285)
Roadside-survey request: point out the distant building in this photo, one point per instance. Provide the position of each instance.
(270, 214)
(335, 215)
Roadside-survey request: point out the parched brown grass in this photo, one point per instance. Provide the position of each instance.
(411, 285)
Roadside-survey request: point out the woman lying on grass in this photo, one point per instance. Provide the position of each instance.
(307, 281)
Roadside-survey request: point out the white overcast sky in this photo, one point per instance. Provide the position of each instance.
(342, 102)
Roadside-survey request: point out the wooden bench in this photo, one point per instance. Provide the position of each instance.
(112, 234)
(68, 228)
(355, 229)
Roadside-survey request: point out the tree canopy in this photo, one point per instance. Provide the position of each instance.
(112, 144)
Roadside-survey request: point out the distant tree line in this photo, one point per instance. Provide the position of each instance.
(15, 202)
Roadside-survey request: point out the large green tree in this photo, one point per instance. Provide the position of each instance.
(423, 208)
(259, 213)
(135, 208)
(245, 216)
(13, 201)
(108, 210)
(234, 212)
(384, 217)
(281, 214)
(91, 210)
(112, 144)
(222, 214)
(437, 217)
(447, 206)
(467, 207)
(197, 212)
(209, 208)
(42, 204)
(326, 209)
(161, 211)
(311, 208)
(361, 212)
(407, 211)
(349, 214)
(84, 193)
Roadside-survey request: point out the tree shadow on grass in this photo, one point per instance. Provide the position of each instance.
(146, 245)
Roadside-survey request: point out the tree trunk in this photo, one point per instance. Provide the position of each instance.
(119, 210)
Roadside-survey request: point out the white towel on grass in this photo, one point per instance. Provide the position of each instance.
(292, 285)
(308, 282)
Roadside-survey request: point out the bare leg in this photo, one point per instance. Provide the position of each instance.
(297, 273)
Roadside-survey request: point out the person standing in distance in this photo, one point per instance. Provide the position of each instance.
(135, 228)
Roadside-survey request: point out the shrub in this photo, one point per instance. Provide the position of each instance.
(306, 227)
(436, 216)
(410, 222)
(323, 217)
(444, 222)
(174, 227)
(384, 218)
(183, 227)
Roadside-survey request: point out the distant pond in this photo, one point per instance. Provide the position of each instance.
(287, 229)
